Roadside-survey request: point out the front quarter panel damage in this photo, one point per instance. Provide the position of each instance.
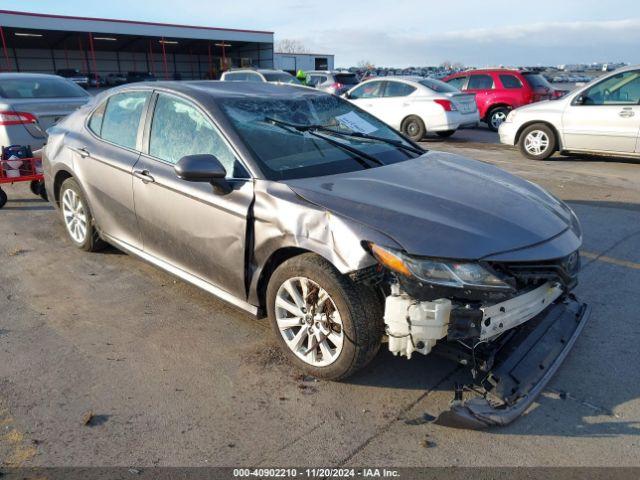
(283, 220)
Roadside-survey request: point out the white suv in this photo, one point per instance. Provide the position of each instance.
(601, 117)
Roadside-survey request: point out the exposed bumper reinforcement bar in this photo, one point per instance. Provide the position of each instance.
(522, 368)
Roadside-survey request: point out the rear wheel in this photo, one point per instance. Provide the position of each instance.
(77, 217)
(328, 326)
(413, 127)
(537, 142)
(3, 198)
(446, 133)
(496, 116)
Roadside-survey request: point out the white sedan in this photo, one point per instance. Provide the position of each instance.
(602, 117)
(416, 105)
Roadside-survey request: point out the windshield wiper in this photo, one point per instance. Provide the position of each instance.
(315, 129)
(306, 128)
(395, 143)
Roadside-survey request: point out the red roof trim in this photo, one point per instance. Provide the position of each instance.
(308, 54)
(134, 22)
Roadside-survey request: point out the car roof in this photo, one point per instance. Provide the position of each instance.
(487, 70)
(17, 75)
(258, 70)
(207, 90)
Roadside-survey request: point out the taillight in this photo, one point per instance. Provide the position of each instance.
(338, 85)
(447, 105)
(16, 118)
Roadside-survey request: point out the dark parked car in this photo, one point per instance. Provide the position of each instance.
(294, 203)
(133, 77)
(75, 75)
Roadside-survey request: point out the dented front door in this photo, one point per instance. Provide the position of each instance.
(190, 226)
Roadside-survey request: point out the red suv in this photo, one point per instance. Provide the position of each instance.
(500, 90)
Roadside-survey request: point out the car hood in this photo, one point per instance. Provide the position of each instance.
(442, 205)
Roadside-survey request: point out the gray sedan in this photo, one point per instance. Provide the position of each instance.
(30, 103)
(296, 204)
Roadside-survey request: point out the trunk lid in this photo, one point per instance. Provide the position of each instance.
(48, 112)
(464, 102)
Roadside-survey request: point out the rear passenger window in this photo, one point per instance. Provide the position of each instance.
(253, 77)
(510, 81)
(122, 118)
(398, 89)
(235, 77)
(457, 82)
(480, 82)
(179, 128)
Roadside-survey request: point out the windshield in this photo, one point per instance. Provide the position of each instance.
(285, 153)
(44, 87)
(536, 80)
(346, 78)
(281, 77)
(438, 86)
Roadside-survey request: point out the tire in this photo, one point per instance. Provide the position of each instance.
(354, 314)
(37, 188)
(496, 116)
(77, 217)
(3, 198)
(413, 128)
(445, 133)
(537, 142)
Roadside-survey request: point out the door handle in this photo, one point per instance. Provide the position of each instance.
(144, 175)
(626, 113)
(82, 151)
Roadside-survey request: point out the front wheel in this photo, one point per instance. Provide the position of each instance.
(537, 142)
(413, 127)
(496, 116)
(328, 326)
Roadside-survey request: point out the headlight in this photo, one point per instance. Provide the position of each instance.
(510, 117)
(437, 272)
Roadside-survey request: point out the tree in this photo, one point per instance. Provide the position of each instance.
(289, 45)
(366, 65)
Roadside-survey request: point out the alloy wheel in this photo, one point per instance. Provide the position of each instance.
(75, 216)
(497, 118)
(309, 321)
(412, 129)
(536, 142)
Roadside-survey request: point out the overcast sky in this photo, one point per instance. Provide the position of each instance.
(403, 33)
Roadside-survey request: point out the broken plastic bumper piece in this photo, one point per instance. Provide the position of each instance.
(521, 367)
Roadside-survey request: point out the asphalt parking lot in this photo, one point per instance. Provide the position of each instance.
(174, 376)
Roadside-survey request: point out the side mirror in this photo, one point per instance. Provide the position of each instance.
(203, 168)
(346, 95)
(579, 100)
(200, 168)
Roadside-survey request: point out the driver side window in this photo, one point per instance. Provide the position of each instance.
(621, 89)
(179, 128)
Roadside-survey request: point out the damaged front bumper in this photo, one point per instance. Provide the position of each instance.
(522, 365)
